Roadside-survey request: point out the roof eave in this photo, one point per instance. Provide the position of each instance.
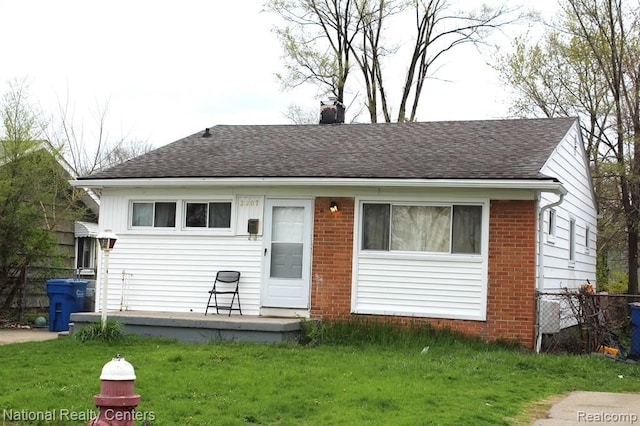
(545, 185)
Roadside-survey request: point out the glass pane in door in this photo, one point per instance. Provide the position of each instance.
(287, 242)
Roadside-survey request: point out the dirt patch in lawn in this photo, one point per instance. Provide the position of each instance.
(536, 410)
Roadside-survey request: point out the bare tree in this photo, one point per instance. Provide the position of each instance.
(371, 51)
(297, 115)
(317, 42)
(590, 67)
(438, 31)
(321, 37)
(90, 150)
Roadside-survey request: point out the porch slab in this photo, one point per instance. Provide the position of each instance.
(198, 328)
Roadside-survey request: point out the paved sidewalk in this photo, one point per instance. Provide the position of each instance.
(20, 335)
(594, 408)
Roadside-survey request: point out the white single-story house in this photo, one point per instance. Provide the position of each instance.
(453, 223)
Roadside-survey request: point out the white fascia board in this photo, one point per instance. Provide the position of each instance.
(536, 185)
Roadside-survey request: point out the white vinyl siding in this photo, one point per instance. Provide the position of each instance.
(421, 284)
(174, 273)
(172, 269)
(437, 288)
(568, 164)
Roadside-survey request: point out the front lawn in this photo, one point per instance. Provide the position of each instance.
(454, 381)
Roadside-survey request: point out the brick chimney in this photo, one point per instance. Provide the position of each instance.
(332, 112)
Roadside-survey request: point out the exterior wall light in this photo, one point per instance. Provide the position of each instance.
(107, 239)
(333, 207)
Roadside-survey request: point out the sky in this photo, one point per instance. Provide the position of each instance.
(168, 69)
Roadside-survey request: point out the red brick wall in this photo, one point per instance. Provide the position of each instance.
(332, 259)
(512, 271)
(510, 296)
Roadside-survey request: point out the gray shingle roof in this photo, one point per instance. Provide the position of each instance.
(491, 149)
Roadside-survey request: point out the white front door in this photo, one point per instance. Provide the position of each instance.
(287, 254)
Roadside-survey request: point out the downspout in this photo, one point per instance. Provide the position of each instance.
(540, 280)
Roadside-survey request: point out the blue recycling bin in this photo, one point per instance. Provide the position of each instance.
(66, 296)
(635, 331)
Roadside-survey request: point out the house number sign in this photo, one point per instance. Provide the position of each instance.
(249, 207)
(249, 202)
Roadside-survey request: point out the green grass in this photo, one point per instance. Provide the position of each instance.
(457, 381)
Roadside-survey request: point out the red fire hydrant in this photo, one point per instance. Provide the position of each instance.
(117, 401)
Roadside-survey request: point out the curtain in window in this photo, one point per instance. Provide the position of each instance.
(375, 226)
(467, 229)
(165, 215)
(219, 215)
(421, 228)
(142, 214)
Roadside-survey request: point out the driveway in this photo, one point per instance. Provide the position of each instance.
(594, 408)
(14, 335)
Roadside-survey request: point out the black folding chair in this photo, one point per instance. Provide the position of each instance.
(227, 283)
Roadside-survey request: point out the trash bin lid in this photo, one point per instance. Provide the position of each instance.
(59, 281)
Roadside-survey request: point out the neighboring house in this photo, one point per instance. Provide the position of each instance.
(75, 239)
(437, 221)
(86, 249)
(79, 239)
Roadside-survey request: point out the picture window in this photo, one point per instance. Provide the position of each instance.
(453, 229)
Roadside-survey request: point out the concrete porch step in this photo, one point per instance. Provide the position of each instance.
(198, 328)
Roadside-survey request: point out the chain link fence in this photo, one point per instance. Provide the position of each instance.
(582, 321)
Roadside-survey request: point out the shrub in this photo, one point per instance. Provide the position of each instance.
(618, 283)
(311, 332)
(112, 332)
(359, 330)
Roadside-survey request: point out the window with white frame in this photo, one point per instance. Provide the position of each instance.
(156, 214)
(587, 243)
(84, 256)
(208, 214)
(572, 240)
(551, 226)
(422, 228)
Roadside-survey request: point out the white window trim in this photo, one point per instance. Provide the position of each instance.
(206, 230)
(181, 209)
(437, 202)
(587, 239)
(550, 231)
(152, 228)
(482, 258)
(572, 241)
(91, 268)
